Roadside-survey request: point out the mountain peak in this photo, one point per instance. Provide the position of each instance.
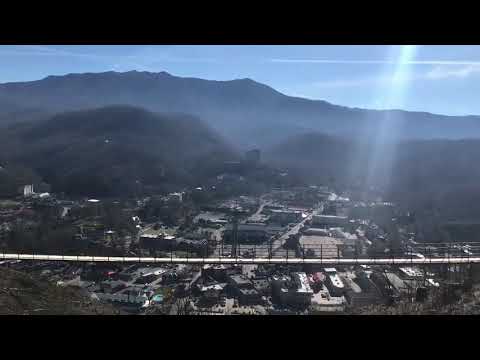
(107, 74)
(138, 72)
(248, 80)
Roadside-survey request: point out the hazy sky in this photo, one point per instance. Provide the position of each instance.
(439, 79)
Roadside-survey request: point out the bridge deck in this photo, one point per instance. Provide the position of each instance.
(257, 260)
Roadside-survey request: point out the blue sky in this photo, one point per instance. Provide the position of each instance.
(439, 79)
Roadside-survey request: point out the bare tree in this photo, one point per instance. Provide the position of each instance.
(182, 306)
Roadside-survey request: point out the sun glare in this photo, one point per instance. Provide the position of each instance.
(390, 126)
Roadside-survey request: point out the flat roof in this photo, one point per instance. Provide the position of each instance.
(216, 287)
(331, 216)
(150, 236)
(304, 284)
(240, 279)
(248, 291)
(411, 271)
(336, 281)
(317, 229)
(286, 211)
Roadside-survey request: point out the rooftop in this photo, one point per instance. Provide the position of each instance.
(336, 281)
(331, 217)
(248, 291)
(260, 283)
(240, 280)
(214, 266)
(285, 211)
(216, 287)
(411, 272)
(303, 284)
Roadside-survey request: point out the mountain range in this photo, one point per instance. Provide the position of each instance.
(245, 112)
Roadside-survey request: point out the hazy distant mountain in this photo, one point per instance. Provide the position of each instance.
(105, 151)
(446, 161)
(421, 173)
(246, 112)
(318, 157)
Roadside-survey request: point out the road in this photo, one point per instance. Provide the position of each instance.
(257, 215)
(277, 244)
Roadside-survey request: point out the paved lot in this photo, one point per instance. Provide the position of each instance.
(322, 245)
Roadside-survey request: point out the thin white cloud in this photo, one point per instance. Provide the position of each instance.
(436, 73)
(376, 62)
(140, 60)
(40, 50)
(359, 82)
(442, 72)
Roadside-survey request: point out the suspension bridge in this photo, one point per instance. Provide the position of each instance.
(425, 254)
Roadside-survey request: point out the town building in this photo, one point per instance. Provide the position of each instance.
(385, 287)
(369, 294)
(316, 231)
(217, 272)
(246, 233)
(335, 285)
(175, 197)
(244, 290)
(250, 233)
(262, 286)
(210, 294)
(158, 242)
(411, 273)
(292, 290)
(112, 286)
(199, 247)
(253, 156)
(329, 220)
(27, 190)
(283, 216)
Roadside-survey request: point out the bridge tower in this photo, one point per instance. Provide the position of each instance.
(234, 235)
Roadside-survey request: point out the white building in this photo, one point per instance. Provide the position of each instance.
(178, 197)
(334, 283)
(28, 190)
(293, 290)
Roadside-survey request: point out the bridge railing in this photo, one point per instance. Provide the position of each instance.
(303, 251)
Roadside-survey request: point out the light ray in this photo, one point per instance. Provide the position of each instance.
(389, 128)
